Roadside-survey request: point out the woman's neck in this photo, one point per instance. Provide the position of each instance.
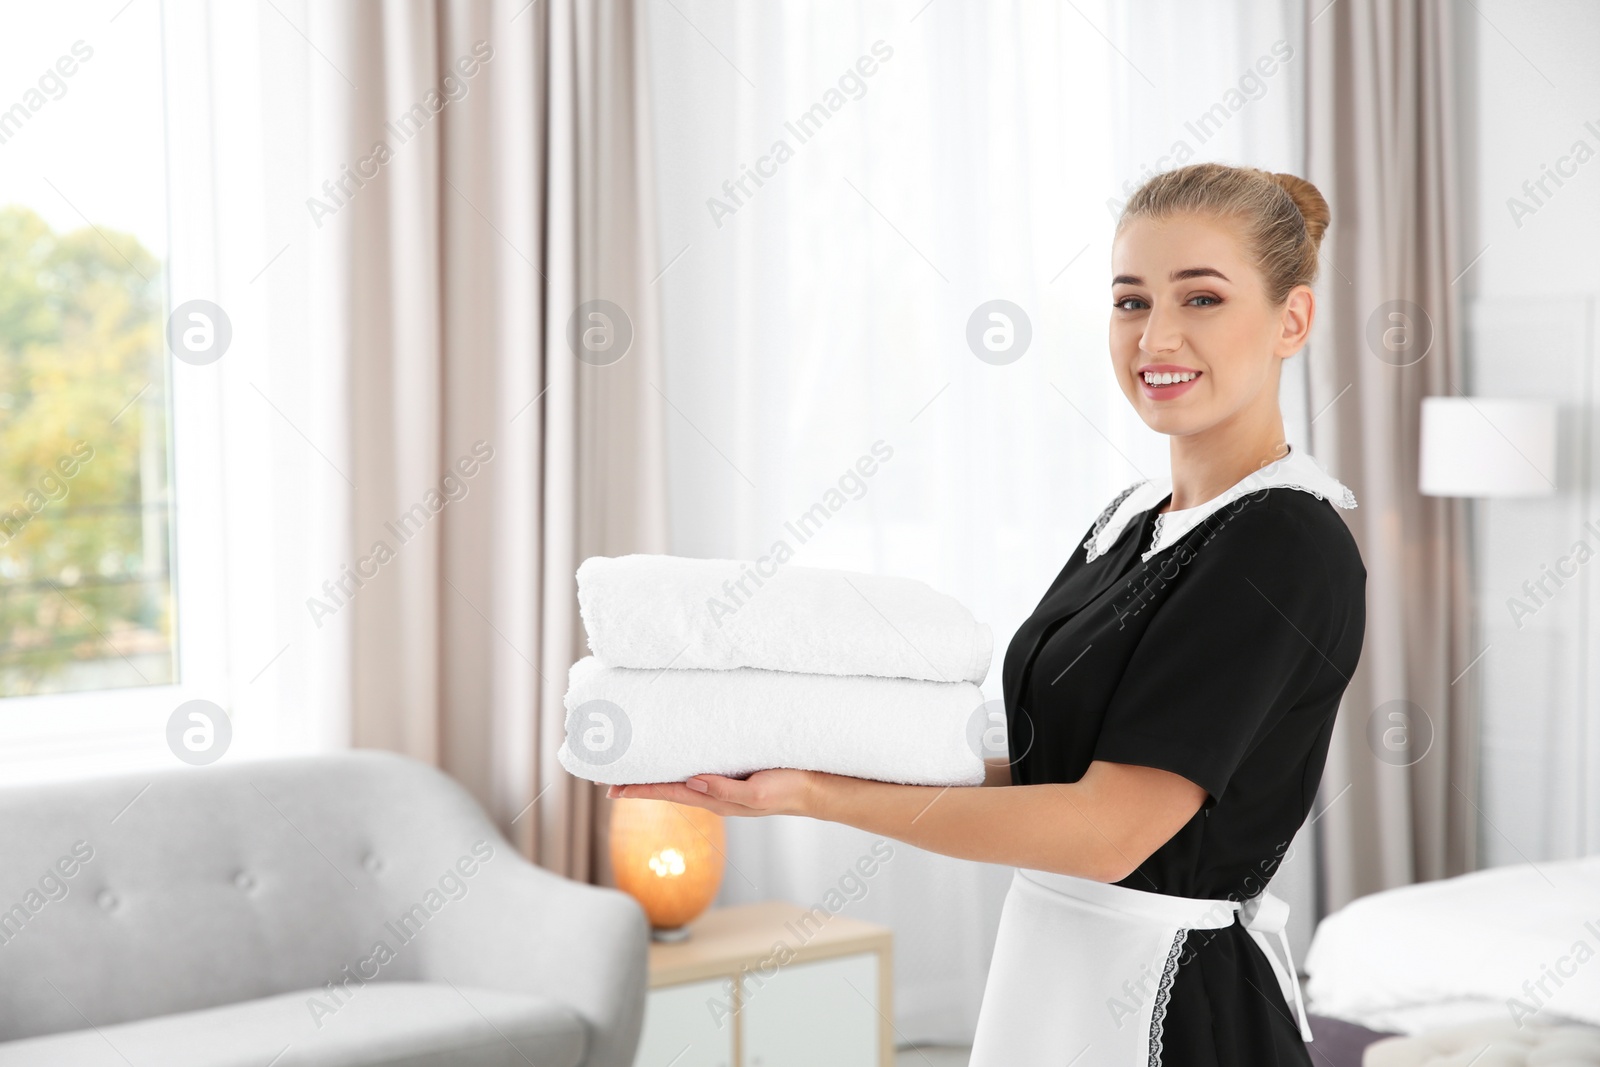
(1204, 469)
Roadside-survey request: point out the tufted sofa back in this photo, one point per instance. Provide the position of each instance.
(142, 895)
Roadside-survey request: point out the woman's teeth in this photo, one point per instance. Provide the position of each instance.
(1169, 377)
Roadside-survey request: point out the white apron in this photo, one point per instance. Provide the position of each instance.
(1082, 970)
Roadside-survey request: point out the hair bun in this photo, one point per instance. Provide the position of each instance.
(1313, 208)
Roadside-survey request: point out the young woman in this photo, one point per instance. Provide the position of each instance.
(1171, 698)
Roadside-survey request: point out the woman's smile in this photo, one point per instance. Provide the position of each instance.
(1166, 381)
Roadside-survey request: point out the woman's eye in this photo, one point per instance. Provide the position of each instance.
(1120, 305)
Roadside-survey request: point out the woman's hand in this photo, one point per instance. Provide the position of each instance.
(782, 791)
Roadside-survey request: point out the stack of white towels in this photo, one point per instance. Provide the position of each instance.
(708, 666)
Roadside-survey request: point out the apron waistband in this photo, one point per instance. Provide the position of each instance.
(1191, 913)
(1261, 915)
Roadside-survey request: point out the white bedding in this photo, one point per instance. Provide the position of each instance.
(1425, 1018)
(1519, 942)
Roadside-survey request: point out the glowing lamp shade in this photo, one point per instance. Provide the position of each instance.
(668, 857)
(1486, 447)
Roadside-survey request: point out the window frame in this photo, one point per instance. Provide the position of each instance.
(56, 735)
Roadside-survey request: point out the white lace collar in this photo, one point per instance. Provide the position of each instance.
(1296, 470)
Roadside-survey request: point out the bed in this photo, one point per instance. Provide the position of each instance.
(1511, 951)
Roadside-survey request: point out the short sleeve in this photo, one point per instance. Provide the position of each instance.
(1241, 625)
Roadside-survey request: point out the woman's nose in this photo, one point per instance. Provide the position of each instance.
(1160, 337)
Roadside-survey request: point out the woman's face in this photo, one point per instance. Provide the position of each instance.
(1186, 302)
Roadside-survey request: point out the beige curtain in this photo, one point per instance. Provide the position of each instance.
(487, 457)
(1381, 146)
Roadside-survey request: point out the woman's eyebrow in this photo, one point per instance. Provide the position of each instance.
(1177, 276)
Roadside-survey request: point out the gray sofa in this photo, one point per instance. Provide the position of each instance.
(357, 909)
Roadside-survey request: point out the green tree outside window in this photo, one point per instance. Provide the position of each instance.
(86, 592)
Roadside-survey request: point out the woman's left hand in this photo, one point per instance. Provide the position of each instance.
(782, 791)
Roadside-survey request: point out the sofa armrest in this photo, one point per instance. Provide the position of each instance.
(527, 929)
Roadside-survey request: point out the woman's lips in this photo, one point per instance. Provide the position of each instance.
(1168, 392)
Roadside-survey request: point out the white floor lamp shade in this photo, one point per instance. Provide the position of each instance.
(1478, 447)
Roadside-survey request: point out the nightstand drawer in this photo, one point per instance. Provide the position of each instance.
(813, 1013)
(813, 988)
(683, 1030)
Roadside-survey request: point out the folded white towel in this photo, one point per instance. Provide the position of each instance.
(626, 726)
(651, 611)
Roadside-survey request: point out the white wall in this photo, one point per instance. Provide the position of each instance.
(1529, 85)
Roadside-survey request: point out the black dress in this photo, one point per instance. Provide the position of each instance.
(1222, 658)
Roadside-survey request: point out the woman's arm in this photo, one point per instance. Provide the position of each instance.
(1100, 827)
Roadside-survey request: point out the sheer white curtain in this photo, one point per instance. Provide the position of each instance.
(400, 205)
(826, 309)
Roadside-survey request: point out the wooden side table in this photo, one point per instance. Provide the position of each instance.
(771, 985)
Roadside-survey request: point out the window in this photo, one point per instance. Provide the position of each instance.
(86, 530)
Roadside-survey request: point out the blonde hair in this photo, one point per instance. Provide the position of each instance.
(1283, 216)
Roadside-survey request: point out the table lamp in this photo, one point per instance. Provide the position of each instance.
(1479, 448)
(668, 857)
